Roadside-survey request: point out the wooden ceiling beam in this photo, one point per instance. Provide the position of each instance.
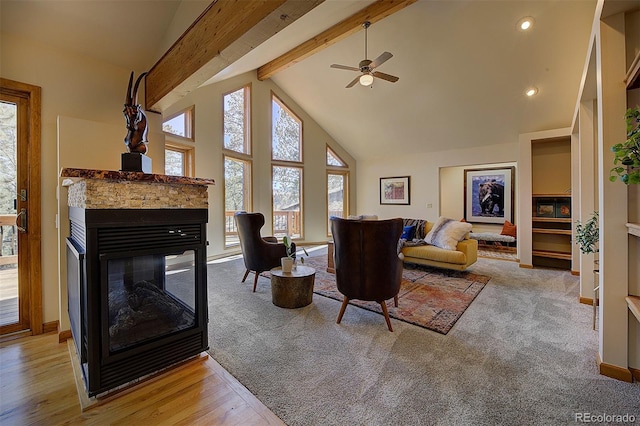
(223, 33)
(372, 13)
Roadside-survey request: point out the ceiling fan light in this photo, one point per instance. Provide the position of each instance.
(526, 23)
(366, 79)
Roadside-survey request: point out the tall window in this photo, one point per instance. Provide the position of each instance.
(286, 148)
(287, 201)
(286, 132)
(237, 159)
(337, 188)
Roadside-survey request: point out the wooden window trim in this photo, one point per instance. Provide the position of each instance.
(301, 168)
(335, 154)
(33, 94)
(189, 156)
(232, 155)
(189, 124)
(345, 174)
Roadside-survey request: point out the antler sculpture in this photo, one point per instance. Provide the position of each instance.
(136, 139)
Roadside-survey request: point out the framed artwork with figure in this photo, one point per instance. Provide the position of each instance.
(488, 195)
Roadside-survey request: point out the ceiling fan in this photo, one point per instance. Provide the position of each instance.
(367, 67)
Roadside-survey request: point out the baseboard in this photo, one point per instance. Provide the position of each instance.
(525, 266)
(50, 327)
(64, 335)
(576, 273)
(613, 371)
(635, 373)
(588, 301)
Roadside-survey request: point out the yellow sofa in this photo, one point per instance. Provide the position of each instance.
(465, 254)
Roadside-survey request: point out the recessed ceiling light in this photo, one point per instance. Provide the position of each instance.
(525, 23)
(531, 91)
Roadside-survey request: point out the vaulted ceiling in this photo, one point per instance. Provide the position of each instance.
(463, 64)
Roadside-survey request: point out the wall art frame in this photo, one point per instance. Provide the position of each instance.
(489, 195)
(395, 190)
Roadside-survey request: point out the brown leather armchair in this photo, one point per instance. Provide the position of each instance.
(366, 261)
(260, 254)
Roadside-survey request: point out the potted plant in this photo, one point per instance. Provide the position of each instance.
(627, 154)
(587, 234)
(288, 262)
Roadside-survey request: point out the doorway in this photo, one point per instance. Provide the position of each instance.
(20, 276)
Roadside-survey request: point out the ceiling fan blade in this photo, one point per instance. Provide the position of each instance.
(380, 60)
(353, 82)
(388, 77)
(344, 67)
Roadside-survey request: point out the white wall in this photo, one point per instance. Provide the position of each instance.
(426, 186)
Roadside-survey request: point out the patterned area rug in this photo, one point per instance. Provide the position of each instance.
(429, 297)
(497, 253)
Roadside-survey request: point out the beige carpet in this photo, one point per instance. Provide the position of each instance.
(523, 353)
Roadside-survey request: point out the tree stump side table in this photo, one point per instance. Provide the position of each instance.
(292, 289)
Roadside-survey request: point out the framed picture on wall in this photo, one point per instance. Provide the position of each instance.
(395, 190)
(488, 195)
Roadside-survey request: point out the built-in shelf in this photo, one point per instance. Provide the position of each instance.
(551, 228)
(551, 195)
(552, 254)
(634, 301)
(551, 231)
(634, 305)
(633, 229)
(551, 219)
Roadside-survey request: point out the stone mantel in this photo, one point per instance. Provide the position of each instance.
(108, 189)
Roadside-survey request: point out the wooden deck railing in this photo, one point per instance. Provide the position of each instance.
(284, 223)
(8, 239)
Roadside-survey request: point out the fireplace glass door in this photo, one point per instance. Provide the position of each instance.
(149, 296)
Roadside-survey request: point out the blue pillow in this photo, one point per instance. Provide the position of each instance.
(408, 232)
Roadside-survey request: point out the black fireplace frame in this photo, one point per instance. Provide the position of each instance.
(97, 235)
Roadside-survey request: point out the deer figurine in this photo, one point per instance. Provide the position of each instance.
(136, 139)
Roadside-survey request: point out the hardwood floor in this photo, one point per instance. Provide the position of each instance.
(37, 387)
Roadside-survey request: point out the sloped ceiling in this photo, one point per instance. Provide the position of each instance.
(463, 65)
(463, 69)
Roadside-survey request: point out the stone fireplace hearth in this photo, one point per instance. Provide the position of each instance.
(136, 273)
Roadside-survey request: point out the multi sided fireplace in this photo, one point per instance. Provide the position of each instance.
(137, 294)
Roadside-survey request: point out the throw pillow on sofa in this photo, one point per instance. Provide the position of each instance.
(509, 229)
(446, 233)
(408, 232)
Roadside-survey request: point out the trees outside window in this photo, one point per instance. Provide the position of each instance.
(236, 121)
(286, 133)
(8, 158)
